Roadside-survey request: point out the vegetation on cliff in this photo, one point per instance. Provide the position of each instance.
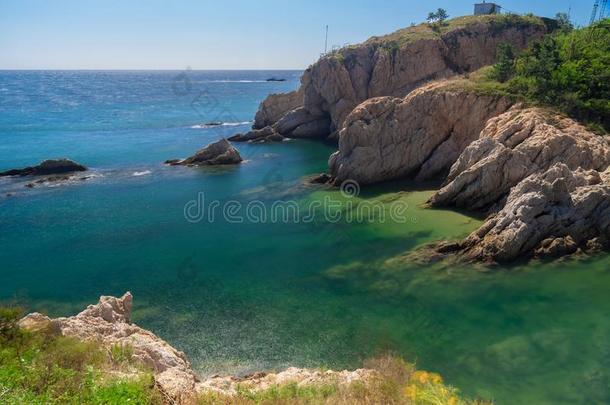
(568, 70)
(43, 368)
(397, 382)
(435, 30)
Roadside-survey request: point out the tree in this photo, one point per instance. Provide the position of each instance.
(504, 69)
(437, 17)
(564, 23)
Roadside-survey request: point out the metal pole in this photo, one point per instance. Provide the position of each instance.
(326, 40)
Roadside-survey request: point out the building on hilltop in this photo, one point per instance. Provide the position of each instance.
(486, 8)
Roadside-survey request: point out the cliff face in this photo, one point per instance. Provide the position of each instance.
(547, 181)
(393, 66)
(421, 135)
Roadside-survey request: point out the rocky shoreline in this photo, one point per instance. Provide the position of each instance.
(109, 323)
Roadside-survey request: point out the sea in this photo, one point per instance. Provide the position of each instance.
(249, 267)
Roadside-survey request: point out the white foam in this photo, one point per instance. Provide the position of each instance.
(224, 124)
(142, 173)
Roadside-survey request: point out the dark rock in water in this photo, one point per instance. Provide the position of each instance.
(52, 166)
(322, 178)
(54, 179)
(236, 138)
(217, 153)
(213, 123)
(258, 135)
(275, 79)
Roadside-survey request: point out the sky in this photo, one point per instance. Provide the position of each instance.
(212, 34)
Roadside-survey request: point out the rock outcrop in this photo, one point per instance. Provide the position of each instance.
(109, 323)
(392, 65)
(549, 214)
(513, 146)
(420, 135)
(275, 106)
(47, 167)
(217, 153)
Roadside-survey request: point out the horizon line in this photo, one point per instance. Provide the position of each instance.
(143, 69)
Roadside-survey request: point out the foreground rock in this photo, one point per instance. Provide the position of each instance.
(217, 153)
(109, 323)
(47, 167)
(392, 65)
(420, 135)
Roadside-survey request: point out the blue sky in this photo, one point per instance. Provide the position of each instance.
(210, 34)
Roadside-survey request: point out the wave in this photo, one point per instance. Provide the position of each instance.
(142, 173)
(235, 81)
(224, 124)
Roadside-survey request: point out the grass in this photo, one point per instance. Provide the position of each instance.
(43, 368)
(397, 382)
(433, 31)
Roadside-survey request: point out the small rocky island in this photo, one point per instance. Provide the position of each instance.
(47, 167)
(217, 153)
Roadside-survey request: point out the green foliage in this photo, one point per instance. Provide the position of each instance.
(43, 368)
(397, 382)
(121, 353)
(8, 323)
(564, 23)
(505, 67)
(439, 16)
(569, 70)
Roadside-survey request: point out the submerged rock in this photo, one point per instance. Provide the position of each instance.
(217, 153)
(51, 166)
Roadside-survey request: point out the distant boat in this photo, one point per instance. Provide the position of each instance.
(275, 79)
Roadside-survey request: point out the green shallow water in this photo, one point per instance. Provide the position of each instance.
(239, 297)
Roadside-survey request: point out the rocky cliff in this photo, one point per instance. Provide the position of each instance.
(392, 65)
(420, 135)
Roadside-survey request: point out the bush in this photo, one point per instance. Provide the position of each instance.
(43, 368)
(569, 70)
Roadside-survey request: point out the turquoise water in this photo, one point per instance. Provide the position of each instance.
(238, 297)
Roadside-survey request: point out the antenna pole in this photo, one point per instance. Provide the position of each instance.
(594, 13)
(326, 40)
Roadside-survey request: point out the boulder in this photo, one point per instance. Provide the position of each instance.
(217, 153)
(51, 166)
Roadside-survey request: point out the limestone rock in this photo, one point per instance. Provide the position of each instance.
(46, 167)
(548, 214)
(420, 135)
(275, 106)
(513, 146)
(302, 377)
(108, 322)
(217, 153)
